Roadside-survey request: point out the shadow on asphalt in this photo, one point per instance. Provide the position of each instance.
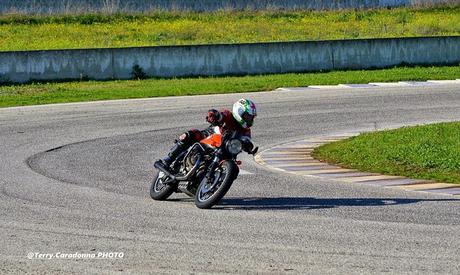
(289, 203)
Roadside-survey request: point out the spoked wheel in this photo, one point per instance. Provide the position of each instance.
(209, 193)
(158, 189)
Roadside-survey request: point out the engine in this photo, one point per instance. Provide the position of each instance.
(191, 158)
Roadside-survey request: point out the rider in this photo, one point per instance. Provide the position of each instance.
(239, 119)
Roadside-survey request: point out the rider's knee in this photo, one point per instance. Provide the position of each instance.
(191, 136)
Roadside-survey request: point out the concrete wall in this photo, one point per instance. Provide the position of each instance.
(227, 59)
(110, 6)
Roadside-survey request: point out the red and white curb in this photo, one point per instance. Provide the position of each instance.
(295, 157)
(373, 85)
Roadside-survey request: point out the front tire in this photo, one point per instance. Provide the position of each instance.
(209, 194)
(158, 190)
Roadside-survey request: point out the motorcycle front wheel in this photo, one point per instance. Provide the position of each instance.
(210, 193)
(158, 190)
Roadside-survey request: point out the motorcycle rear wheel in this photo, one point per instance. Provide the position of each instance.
(158, 190)
(226, 173)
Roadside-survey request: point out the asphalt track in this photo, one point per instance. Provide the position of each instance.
(75, 178)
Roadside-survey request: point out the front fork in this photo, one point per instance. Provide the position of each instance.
(215, 162)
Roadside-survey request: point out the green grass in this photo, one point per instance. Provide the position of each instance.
(26, 32)
(39, 93)
(425, 152)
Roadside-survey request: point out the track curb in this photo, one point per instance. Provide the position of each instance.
(370, 85)
(295, 158)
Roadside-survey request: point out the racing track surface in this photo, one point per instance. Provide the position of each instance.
(75, 178)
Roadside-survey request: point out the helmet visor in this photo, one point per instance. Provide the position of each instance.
(248, 118)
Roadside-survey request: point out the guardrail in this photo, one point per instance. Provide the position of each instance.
(227, 59)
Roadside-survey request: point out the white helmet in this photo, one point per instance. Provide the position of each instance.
(244, 111)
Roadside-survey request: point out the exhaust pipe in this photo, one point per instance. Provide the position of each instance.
(162, 169)
(174, 178)
(191, 172)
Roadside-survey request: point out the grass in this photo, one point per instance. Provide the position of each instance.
(43, 93)
(424, 152)
(178, 28)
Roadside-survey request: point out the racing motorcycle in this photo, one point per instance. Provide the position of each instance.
(205, 171)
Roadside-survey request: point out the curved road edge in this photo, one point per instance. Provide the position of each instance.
(296, 158)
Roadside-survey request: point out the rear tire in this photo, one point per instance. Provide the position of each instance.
(227, 172)
(158, 190)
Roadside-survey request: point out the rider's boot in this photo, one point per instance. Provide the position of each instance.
(175, 151)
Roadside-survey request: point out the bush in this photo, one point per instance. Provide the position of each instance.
(138, 73)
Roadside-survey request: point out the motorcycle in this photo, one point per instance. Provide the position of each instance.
(205, 171)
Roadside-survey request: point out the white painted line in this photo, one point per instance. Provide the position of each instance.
(444, 81)
(244, 172)
(418, 83)
(296, 89)
(344, 135)
(370, 85)
(389, 84)
(282, 89)
(328, 87)
(357, 85)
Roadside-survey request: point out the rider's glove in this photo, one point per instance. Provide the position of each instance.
(214, 117)
(249, 147)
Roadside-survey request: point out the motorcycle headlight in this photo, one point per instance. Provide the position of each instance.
(234, 146)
